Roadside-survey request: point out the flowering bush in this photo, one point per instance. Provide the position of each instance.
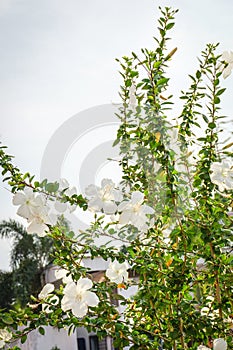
(170, 217)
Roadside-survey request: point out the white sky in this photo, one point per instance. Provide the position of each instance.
(58, 58)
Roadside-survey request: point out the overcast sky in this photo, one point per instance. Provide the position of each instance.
(58, 58)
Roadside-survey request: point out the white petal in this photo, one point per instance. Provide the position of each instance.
(60, 207)
(137, 197)
(84, 283)
(79, 309)
(139, 220)
(91, 190)
(202, 347)
(18, 198)
(204, 311)
(2, 343)
(125, 265)
(219, 344)
(67, 279)
(54, 300)
(226, 56)
(229, 183)
(107, 182)
(91, 299)
(114, 277)
(227, 72)
(29, 192)
(125, 217)
(95, 204)
(117, 195)
(25, 212)
(39, 228)
(146, 209)
(109, 207)
(5, 335)
(63, 184)
(71, 191)
(53, 219)
(66, 303)
(72, 208)
(70, 290)
(60, 273)
(48, 308)
(46, 290)
(40, 201)
(122, 206)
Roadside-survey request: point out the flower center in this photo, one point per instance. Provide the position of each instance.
(78, 297)
(136, 207)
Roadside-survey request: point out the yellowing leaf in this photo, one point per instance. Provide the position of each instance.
(228, 146)
(157, 136)
(169, 262)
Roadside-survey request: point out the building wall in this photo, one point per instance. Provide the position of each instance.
(53, 337)
(60, 338)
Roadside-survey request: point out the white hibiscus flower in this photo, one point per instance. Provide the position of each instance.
(228, 58)
(61, 207)
(134, 212)
(132, 97)
(46, 291)
(26, 201)
(5, 336)
(222, 175)
(104, 197)
(48, 297)
(62, 274)
(39, 222)
(77, 297)
(218, 344)
(117, 272)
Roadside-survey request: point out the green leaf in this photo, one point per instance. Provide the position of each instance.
(133, 74)
(41, 330)
(43, 183)
(220, 92)
(52, 187)
(115, 142)
(162, 81)
(7, 319)
(217, 100)
(170, 26)
(198, 74)
(128, 83)
(23, 338)
(205, 118)
(212, 125)
(156, 64)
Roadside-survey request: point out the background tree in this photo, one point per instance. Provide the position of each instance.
(6, 287)
(29, 255)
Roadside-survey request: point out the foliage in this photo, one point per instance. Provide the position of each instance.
(29, 255)
(172, 215)
(7, 291)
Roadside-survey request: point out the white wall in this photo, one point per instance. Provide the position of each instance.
(53, 337)
(60, 337)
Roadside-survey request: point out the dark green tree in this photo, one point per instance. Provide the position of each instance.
(29, 255)
(6, 289)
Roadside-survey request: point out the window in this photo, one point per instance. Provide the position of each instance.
(94, 342)
(81, 344)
